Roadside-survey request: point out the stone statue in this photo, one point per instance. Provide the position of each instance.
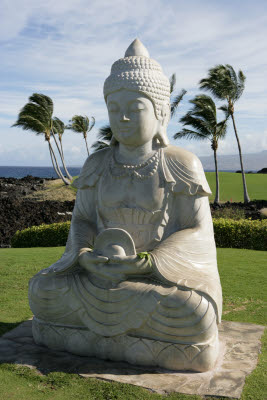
(138, 281)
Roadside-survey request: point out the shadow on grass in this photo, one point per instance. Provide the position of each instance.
(8, 326)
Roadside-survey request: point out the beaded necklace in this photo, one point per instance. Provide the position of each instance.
(118, 170)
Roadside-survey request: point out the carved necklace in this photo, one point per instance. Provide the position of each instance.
(148, 167)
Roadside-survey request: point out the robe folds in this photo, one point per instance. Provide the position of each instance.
(180, 301)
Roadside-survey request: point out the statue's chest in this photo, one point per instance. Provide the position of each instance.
(131, 192)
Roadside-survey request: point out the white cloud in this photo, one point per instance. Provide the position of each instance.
(65, 50)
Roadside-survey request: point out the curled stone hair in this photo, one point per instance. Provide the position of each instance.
(138, 72)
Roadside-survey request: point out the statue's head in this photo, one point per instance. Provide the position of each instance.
(137, 94)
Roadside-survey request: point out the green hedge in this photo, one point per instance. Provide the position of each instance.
(42, 236)
(241, 234)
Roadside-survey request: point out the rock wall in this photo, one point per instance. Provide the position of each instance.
(18, 212)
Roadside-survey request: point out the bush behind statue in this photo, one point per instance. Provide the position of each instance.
(42, 236)
(241, 234)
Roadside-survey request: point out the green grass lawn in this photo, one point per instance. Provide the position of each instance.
(231, 187)
(242, 276)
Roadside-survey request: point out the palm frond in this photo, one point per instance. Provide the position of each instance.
(225, 109)
(104, 136)
(172, 83)
(105, 133)
(240, 85)
(221, 129)
(99, 145)
(36, 112)
(176, 101)
(81, 124)
(92, 123)
(202, 120)
(199, 124)
(43, 101)
(29, 123)
(223, 82)
(205, 109)
(190, 134)
(58, 126)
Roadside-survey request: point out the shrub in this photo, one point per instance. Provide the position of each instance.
(241, 234)
(42, 236)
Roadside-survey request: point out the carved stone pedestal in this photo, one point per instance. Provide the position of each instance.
(134, 350)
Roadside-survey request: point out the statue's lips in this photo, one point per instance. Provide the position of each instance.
(124, 130)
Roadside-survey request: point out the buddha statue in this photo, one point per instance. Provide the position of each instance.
(138, 281)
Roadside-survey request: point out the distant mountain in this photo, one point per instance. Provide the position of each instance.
(251, 162)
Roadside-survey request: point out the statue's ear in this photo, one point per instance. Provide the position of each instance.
(163, 120)
(164, 116)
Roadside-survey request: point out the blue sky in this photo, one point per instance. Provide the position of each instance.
(65, 50)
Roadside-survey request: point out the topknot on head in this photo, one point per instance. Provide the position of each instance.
(136, 48)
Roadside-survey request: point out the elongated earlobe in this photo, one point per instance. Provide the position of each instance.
(161, 134)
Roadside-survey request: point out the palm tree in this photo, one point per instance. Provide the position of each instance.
(225, 84)
(202, 120)
(36, 116)
(58, 128)
(81, 124)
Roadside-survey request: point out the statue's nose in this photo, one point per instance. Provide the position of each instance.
(124, 118)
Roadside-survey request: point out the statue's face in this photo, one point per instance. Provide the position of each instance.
(132, 117)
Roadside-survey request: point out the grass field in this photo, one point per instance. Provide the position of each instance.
(231, 187)
(242, 275)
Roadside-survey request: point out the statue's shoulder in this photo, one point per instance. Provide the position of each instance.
(96, 158)
(92, 169)
(184, 157)
(185, 169)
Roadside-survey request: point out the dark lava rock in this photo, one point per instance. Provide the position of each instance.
(250, 210)
(12, 187)
(17, 214)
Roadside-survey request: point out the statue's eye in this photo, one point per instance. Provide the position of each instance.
(136, 107)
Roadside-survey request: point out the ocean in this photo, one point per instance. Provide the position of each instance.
(47, 172)
(40, 172)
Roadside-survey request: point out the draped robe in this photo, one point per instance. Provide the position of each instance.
(180, 301)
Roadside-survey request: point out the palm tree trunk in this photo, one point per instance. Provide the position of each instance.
(246, 196)
(61, 156)
(216, 200)
(53, 161)
(55, 165)
(85, 138)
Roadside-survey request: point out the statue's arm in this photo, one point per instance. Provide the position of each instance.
(82, 232)
(187, 257)
(83, 223)
(190, 218)
(189, 240)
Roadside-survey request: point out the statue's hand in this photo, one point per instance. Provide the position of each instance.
(89, 260)
(129, 265)
(116, 268)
